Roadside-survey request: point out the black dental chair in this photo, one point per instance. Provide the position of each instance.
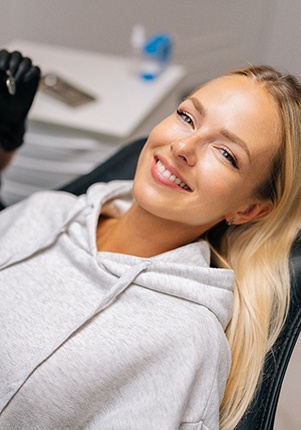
(261, 413)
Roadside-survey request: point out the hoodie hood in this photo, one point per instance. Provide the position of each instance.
(205, 286)
(184, 272)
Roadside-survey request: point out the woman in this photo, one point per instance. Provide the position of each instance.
(111, 315)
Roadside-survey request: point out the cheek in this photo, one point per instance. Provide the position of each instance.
(160, 136)
(212, 172)
(221, 185)
(164, 133)
(143, 178)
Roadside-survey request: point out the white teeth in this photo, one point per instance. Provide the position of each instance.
(160, 166)
(170, 176)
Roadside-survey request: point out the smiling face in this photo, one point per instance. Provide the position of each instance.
(202, 164)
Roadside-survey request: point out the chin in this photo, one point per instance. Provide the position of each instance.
(149, 199)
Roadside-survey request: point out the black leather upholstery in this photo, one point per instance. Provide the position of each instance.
(261, 413)
(121, 165)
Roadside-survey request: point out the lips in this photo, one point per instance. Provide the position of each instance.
(171, 176)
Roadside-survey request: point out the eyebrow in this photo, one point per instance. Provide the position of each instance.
(235, 139)
(198, 105)
(224, 132)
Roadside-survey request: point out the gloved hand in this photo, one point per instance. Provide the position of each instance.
(19, 81)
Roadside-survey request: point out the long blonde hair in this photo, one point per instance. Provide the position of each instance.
(259, 251)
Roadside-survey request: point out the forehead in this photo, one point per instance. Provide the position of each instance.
(234, 89)
(244, 107)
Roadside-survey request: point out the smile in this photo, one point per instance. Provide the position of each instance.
(173, 178)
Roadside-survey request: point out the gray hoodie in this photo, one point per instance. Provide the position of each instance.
(95, 340)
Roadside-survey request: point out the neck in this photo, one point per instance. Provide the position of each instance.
(142, 234)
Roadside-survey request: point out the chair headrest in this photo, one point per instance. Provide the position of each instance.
(295, 261)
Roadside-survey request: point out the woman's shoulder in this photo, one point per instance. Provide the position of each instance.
(41, 202)
(35, 215)
(40, 198)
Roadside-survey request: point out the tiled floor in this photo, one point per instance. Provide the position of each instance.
(288, 415)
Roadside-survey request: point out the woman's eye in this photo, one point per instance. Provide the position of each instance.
(229, 157)
(185, 117)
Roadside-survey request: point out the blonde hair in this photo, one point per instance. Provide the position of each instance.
(259, 251)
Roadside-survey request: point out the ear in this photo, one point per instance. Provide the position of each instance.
(251, 212)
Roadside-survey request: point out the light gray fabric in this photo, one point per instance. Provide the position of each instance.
(95, 340)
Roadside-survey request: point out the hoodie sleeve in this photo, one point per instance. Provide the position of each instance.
(33, 219)
(42, 203)
(8, 216)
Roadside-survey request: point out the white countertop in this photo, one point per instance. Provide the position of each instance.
(123, 102)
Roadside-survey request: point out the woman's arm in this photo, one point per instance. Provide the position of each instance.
(5, 158)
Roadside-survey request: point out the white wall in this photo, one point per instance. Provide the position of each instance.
(283, 36)
(211, 36)
(7, 24)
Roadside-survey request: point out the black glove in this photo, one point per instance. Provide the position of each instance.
(19, 81)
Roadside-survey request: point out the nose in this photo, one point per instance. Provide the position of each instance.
(184, 150)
